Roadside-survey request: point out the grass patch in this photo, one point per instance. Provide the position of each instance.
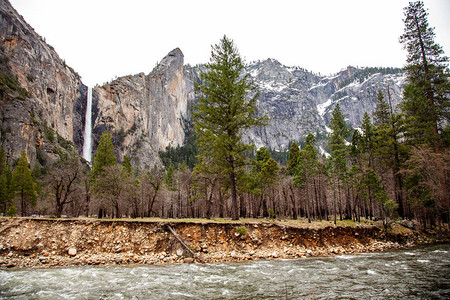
(300, 223)
(399, 229)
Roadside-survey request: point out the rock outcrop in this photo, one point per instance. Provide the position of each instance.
(47, 118)
(145, 113)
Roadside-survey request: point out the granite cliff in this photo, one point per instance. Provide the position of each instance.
(42, 99)
(145, 113)
(300, 102)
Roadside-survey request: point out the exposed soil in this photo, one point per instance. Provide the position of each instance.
(36, 242)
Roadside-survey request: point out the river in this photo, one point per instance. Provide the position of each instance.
(422, 273)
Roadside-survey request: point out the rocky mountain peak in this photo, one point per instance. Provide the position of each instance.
(145, 114)
(171, 62)
(270, 70)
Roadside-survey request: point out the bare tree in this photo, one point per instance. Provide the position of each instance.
(63, 179)
(151, 184)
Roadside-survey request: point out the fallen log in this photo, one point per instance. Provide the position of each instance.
(184, 244)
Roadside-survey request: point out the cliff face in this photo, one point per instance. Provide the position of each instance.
(51, 113)
(145, 113)
(299, 102)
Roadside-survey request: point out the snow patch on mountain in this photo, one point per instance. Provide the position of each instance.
(321, 108)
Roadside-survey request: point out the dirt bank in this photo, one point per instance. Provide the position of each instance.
(35, 242)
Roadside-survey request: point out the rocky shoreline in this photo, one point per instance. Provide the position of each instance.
(42, 243)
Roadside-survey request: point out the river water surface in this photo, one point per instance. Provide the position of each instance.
(422, 273)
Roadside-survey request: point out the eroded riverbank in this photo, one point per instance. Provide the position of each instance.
(35, 242)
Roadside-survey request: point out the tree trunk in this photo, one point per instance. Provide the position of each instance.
(234, 201)
(334, 202)
(307, 202)
(294, 207)
(59, 209)
(87, 199)
(22, 203)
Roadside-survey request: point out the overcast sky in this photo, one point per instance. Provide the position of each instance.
(102, 39)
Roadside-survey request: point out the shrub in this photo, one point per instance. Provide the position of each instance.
(10, 85)
(66, 144)
(241, 230)
(49, 133)
(12, 210)
(272, 213)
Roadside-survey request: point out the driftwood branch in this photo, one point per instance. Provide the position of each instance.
(184, 244)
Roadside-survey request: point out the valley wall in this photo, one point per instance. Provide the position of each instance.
(55, 100)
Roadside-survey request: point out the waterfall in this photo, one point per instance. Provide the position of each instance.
(87, 144)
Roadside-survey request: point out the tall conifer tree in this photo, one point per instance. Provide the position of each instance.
(6, 192)
(293, 158)
(338, 162)
(23, 183)
(426, 96)
(104, 155)
(426, 108)
(386, 146)
(226, 108)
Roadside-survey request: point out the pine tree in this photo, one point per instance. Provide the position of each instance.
(105, 175)
(367, 141)
(338, 125)
(5, 182)
(307, 162)
(386, 146)
(169, 178)
(426, 100)
(293, 158)
(265, 168)
(126, 166)
(307, 169)
(23, 183)
(269, 172)
(336, 143)
(226, 107)
(381, 115)
(425, 105)
(104, 156)
(355, 149)
(337, 160)
(262, 180)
